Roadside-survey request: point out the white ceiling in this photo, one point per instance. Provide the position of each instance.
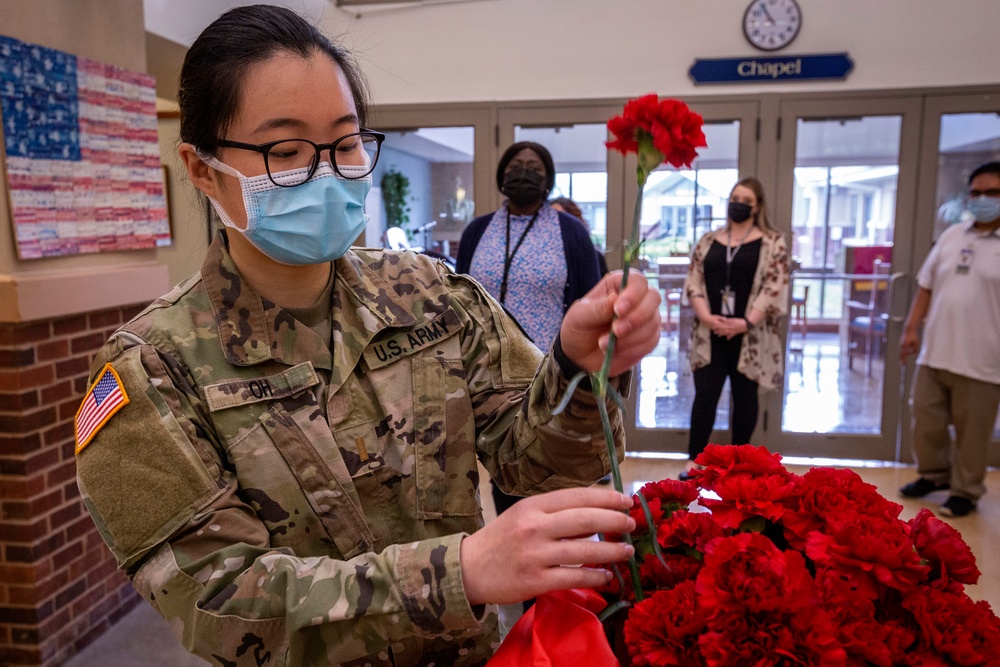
(182, 21)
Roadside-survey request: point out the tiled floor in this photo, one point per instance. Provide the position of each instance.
(143, 639)
(822, 392)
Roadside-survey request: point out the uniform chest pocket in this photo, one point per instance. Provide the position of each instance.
(290, 473)
(447, 471)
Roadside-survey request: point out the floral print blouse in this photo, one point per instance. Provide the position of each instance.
(762, 353)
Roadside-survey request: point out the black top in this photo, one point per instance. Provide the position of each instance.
(741, 274)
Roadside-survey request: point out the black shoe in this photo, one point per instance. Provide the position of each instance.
(921, 487)
(957, 506)
(687, 475)
(605, 480)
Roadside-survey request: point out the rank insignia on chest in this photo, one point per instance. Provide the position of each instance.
(387, 350)
(104, 398)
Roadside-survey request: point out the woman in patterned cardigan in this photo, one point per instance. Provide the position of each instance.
(738, 287)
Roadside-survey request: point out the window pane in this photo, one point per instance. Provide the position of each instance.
(581, 169)
(437, 163)
(678, 206)
(843, 223)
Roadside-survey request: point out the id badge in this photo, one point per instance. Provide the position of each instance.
(728, 302)
(964, 262)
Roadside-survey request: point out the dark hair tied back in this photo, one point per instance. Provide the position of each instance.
(216, 66)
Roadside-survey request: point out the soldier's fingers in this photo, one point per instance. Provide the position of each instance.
(561, 578)
(647, 313)
(555, 501)
(633, 294)
(573, 522)
(582, 551)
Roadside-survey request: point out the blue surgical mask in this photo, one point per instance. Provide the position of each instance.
(984, 209)
(312, 223)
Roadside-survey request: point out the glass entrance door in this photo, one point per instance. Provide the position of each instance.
(679, 206)
(842, 196)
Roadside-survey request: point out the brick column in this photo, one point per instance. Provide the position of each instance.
(59, 587)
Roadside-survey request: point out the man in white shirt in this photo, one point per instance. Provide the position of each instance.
(958, 371)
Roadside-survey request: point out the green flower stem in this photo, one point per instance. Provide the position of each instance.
(599, 380)
(616, 475)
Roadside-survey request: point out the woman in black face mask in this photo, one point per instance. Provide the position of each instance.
(738, 287)
(534, 260)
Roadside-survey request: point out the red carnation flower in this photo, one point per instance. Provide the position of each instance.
(663, 498)
(830, 496)
(870, 553)
(745, 496)
(663, 629)
(736, 640)
(688, 529)
(679, 568)
(853, 616)
(921, 657)
(747, 573)
(671, 491)
(960, 630)
(674, 129)
(723, 460)
(951, 560)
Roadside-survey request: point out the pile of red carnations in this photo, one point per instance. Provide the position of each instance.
(785, 569)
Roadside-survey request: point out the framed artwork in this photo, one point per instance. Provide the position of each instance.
(82, 157)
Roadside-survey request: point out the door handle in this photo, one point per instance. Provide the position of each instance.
(890, 298)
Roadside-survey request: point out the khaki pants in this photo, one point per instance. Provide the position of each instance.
(941, 399)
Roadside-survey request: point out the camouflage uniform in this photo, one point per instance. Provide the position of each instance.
(282, 501)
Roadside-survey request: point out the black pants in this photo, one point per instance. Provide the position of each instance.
(708, 383)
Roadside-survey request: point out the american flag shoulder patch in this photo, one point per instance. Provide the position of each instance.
(104, 398)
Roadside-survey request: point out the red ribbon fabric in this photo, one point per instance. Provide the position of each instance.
(560, 630)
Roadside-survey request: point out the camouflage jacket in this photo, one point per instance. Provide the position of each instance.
(284, 501)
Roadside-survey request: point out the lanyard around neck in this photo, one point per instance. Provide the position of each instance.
(731, 252)
(508, 256)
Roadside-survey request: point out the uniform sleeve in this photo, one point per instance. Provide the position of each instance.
(773, 296)
(154, 482)
(514, 390)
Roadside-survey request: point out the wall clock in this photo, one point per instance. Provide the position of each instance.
(772, 24)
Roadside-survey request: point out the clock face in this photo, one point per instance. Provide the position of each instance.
(772, 24)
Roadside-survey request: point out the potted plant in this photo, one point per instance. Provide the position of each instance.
(395, 192)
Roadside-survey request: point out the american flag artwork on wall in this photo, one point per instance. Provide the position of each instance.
(82, 157)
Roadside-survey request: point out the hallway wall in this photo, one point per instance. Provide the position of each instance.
(492, 50)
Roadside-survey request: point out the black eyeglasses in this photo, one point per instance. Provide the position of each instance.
(292, 162)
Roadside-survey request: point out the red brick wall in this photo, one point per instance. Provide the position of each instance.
(59, 588)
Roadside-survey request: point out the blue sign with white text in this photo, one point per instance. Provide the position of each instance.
(771, 68)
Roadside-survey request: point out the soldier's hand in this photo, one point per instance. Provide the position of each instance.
(536, 545)
(585, 328)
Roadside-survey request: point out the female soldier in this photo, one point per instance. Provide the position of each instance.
(282, 451)
(738, 287)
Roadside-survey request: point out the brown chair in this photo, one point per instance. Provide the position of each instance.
(868, 319)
